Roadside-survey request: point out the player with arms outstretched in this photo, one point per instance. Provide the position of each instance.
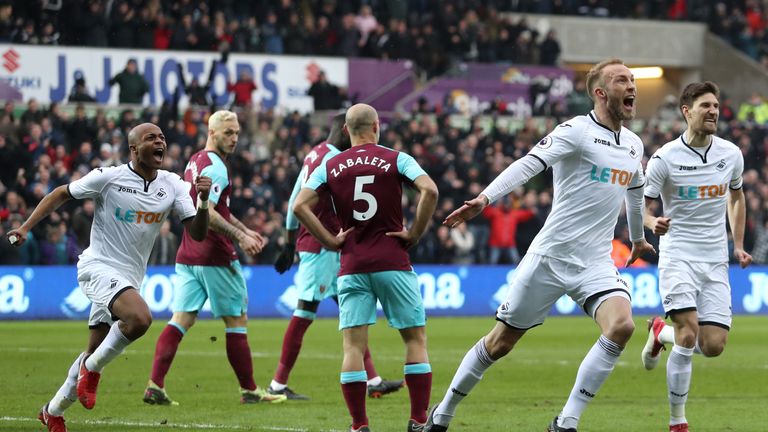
(365, 183)
(132, 202)
(210, 270)
(318, 269)
(698, 177)
(596, 167)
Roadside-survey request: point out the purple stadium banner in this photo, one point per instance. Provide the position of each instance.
(519, 91)
(380, 83)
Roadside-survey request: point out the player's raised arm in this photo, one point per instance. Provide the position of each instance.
(198, 225)
(512, 177)
(47, 205)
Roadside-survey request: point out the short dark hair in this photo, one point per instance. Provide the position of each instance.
(336, 134)
(693, 91)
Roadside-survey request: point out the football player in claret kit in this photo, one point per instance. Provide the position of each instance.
(210, 270)
(596, 164)
(132, 202)
(365, 183)
(698, 178)
(317, 274)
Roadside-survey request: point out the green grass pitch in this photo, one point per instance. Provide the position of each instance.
(521, 393)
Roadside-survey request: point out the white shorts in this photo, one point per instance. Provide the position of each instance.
(540, 280)
(696, 286)
(101, 284)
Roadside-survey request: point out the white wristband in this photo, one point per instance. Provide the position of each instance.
(202, 204)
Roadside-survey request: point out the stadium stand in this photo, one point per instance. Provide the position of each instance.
(469, 30)
(43, 147)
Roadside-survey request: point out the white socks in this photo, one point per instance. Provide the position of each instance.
(470, 372)
(67, 394)
(111, 347)
(375, 381)
(679, 369)
(667, 335)
(274, 385)
(593, 372)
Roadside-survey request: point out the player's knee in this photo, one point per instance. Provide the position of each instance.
(685, 337)
(140, 324)
(712, 349)
(621, 331)
(500, 344)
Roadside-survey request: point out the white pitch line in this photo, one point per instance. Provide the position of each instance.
(256, 354)
(197, 426)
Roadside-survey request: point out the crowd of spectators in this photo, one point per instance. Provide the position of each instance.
(44, 147)
(434, 34)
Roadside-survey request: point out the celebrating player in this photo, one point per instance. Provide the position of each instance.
(210, 270)
(693, 175)
(132, 202)
(316, 277)
(596, 166)
(365, 185)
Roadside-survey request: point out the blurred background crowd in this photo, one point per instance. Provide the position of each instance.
(432, 33)
(42, 147)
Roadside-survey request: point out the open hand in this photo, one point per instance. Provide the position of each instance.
(340, 238)
(405, 236)
(466, 212)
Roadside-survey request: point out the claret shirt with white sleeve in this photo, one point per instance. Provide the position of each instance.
(592, 167)
(129, 212)
(693, 184)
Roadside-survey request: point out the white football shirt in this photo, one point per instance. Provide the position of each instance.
(128, 214)
(593, 167)
(693, 185)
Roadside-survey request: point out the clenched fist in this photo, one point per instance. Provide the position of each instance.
(16, 237)
(203, 187)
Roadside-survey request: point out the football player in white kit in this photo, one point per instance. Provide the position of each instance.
(698, 177)
(596, 166)
(132, 202)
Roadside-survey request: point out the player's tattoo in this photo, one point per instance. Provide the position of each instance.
(239, 225)
(220, 225)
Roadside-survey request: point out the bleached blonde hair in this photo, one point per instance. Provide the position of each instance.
(219, 117)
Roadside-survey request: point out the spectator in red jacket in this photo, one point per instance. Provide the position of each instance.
(504, 219)
(243, 89)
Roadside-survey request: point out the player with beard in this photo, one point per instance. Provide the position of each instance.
(317, 274)
(699, 179)
(132, 202)
(210, 270)
(596, 166)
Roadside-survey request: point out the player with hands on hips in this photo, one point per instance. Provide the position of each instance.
(316, 277)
